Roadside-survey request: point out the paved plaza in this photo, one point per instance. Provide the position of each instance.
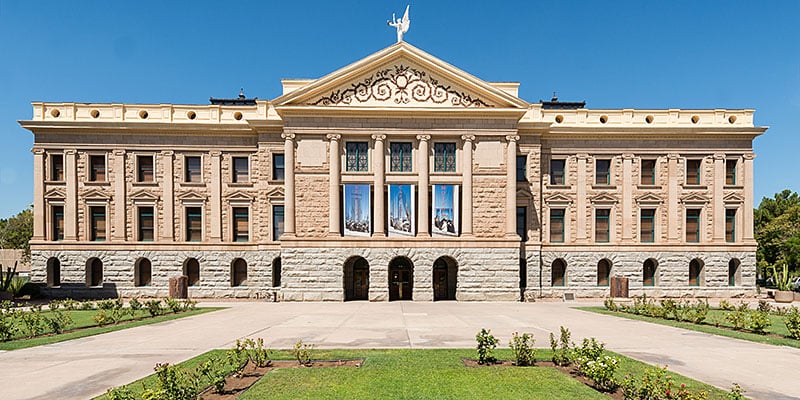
(83, 368)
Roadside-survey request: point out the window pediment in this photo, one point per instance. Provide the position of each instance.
(55, 194)
(733, 198)
(192, 198)
(276, 194)
(649, 199)
(695, 199)
(604, 199)
(144, 197)
(94, 194)
(558, 199)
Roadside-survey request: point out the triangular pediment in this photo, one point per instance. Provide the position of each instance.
(649, 198)
(239, 197)
(55, 194)
(191, 197)
(694, 198)
(558, 198)
(603, 198)
(400, 76)
(94, 194)
(733, 198)
(524, 193)
(276, 193)
(143, 195)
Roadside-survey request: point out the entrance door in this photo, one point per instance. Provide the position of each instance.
(401, 278)
(360, 279)
(440, 284)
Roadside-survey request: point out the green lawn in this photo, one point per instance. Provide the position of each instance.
(777, 327)
(423, 374)
(84, 319)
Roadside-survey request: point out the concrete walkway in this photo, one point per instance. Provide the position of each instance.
(83, 368)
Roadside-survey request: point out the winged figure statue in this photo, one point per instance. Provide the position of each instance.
(400, 24)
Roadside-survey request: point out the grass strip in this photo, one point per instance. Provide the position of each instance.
(711, 329)
(84, 330)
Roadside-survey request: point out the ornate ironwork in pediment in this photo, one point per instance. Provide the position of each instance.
(401, 84)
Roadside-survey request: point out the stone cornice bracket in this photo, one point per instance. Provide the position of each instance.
(749, 156)
(627, 156)
(37, 150)
(468, 138)
(287, 136)
(582, 156)
(215, 153)
(333, 136)
(167, 153)
(673, 156)
(719, 156)
(512, 138)
(423, 138)
(379, 138)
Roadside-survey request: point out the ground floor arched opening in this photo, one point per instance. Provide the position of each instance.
(445, 278)
(401, 279)
(356, 279)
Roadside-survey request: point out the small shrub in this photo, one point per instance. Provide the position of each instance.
(792, 321)
(120, 393)
(758, 321)
(562, 349)
(302, 352)
(154, 308)
(670, 309)
(738, 317)
(134, 306)
(105, 304)
(32, 321)
(657, 384)
(522, 346)
(726, 306)
(486, 345)
(6, 326)
(610, 304)
(696, 313)
(590, 349)
(173, 305)
(103, 317)
(87, 305)
(58, 321)
(736, 392)
(188, 305)
(70, 304)
(601, 371)
(214, 370)
(764, 306)
(174, 384)
(54, 305)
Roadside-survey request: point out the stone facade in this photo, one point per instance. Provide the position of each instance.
(457, 129)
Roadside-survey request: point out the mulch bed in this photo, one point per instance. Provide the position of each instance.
(236, 385)
(570, 370)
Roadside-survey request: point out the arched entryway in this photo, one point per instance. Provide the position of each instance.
(142, 272)
(445, 278)
(53, 272)
(94, 272)
(238, 272)
(191, 268)
(649, 272)
(401, 279)
(356, 279)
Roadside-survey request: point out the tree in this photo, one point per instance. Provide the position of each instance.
(777, 230)
(16, 232)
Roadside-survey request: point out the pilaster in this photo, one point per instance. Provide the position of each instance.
(71, 201)
(289, 216)
(748, 197)
(334, 177)
(422, 166)
(717, 202)
(378, 182)
(39, 209)
(672, 198)
(119, 232)
(168, 184)
(466, 184)
(215, 202)
(580, 198)
(627, 197)
(511, 186)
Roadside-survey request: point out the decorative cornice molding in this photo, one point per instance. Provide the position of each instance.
(400, 84)
(719, 156)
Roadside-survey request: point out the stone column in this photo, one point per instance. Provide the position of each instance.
(511, 186)
(71, 202)
(422, 165)
(168, 199)
(379, 179)
(580, 198)
(466, 183)
(334, 178)
(718, 210)
(39, 207)
(119, 196)
(288, 222)
(673, 222)
(215, 202)
(748, 197)
(627, 198)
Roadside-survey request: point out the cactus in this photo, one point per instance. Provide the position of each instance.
(783, 281)
(5, 279)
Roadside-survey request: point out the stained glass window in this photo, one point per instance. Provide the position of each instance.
(400, 157)
(444, 157)
(357, 156)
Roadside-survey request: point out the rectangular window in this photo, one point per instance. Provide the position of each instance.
(557, 225)
(144, 166)
(241, 169)
(400, 157)
(601, 225)
(730, 225)
(522, 223)
(194, 224)
(648, 175)
(444, 157)
(193, 169)
(241, 224)
(57, 167)
(692, 172)
(277, 167)
(98, 223)
(601, 172)
(146, 224)
(647, 231)
(357, 157)
(557, 172)
(97, 166)
(58, 223)
(277, 222)
(522, 173)
(730, 172)
(693, 225)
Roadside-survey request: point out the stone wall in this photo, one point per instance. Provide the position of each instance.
(311, 205)
(489, 206)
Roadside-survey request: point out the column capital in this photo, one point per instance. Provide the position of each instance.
(215, 153)
(333, 136)
(287, 136)
(119, 152)
(423, 138)
(512, 138)
(627, 156)
(167, 153)
(37, 151)
(719, 156)
(749, 156)
(70, 152)
(673, 156)
(582, 156)
(378, 138)
(468, 138)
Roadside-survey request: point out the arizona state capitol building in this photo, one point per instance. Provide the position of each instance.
(397, 177)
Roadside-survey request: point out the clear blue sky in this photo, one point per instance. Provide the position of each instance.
(638, 54)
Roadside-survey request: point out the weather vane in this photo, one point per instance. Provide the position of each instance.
(400, 24)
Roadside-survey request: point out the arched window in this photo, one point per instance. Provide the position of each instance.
(143, 272)
(649, 272)
(53, 272)
(734, 276)
(191, 268)
(695, 273)
(94, 272)
(603, 271)
(559, 273)
(276, 272)
(239, 272)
